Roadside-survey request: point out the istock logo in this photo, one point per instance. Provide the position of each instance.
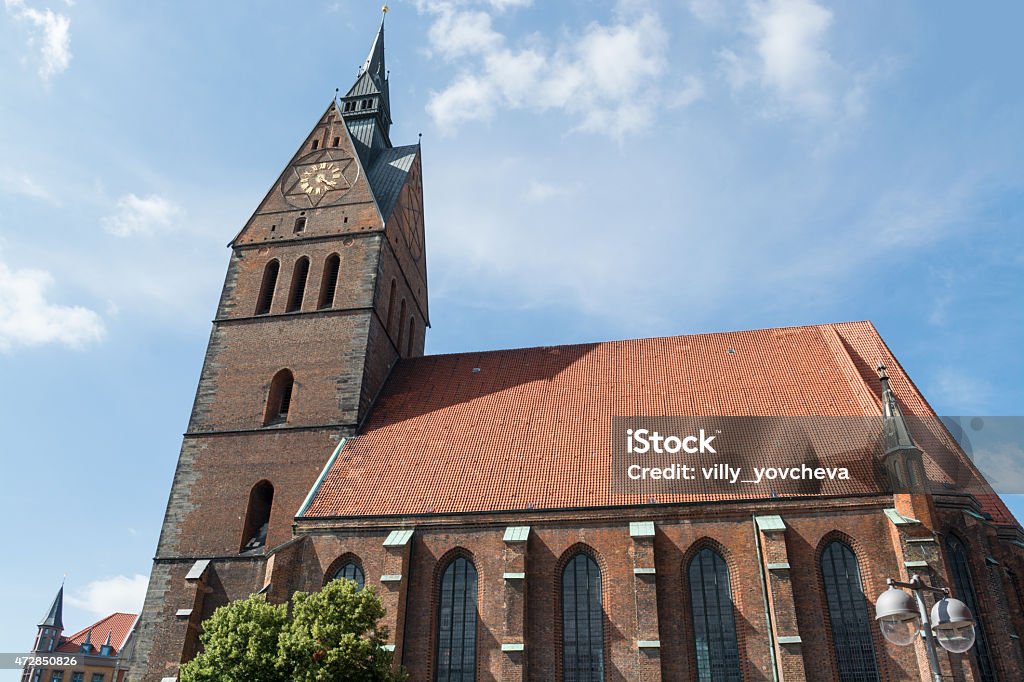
(643, 441)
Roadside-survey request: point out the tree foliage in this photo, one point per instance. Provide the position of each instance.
(240, 642)
(333, 635)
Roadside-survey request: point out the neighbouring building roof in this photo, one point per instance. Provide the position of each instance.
(116, 626)
(531, 428)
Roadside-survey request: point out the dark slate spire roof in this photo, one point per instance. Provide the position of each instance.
(366, 107)
(55, 616)
(897, 433)
(374, 64)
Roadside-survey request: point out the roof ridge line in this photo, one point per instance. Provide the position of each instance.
(644, 338)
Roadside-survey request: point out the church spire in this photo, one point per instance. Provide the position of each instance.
(366, 107)
(54, 618)
(374, 64)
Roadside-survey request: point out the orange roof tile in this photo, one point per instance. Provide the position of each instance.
(530, 428)
(118, 625)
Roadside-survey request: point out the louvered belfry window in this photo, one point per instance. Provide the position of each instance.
(456, 623)
(351, 571)
(298, 291)
(964, 586)
(714, 622)
(582, 621)
(267, 286)
(848, 614)
(329, 282)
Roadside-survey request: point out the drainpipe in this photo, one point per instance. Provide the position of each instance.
(764, 599)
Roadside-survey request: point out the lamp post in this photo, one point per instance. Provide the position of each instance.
(901, 617)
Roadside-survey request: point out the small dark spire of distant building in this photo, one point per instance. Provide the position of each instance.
(55, 616)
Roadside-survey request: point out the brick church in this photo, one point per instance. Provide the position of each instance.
(475, 491)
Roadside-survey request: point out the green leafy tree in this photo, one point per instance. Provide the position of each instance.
(240, 642)
(334, 637)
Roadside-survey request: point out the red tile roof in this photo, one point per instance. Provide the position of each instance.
(118, 625)
(530, 428)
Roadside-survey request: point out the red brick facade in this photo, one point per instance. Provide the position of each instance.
(358, 375)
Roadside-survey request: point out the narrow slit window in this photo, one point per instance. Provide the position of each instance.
(329, 282)
(391, 307)
(299, 276)
(401, 327)
(335, 142)
(266, 296)
(412, 336)
(279, 400)
(316, 144)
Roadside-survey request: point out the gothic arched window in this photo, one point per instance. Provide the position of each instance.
(279, 400)
(267, 287)
(456, 623)
(848, 614)
(298, 292)
(714, 622)
(351, 571)
(582, 621)
(412, 335)
(257, 516)
(329, 282)
(960, 571)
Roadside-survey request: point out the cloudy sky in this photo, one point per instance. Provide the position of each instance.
(593, 170)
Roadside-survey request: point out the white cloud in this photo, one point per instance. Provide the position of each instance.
(109, 595)
(14, 182)
(606, 76)
(27, 318)
(50, 34)
(141, 215)
(784, 53)
(691, 90)
(539, 192)
(960, 391)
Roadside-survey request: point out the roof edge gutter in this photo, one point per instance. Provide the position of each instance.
(320, 479)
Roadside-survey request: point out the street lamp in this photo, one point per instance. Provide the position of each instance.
(900, 617)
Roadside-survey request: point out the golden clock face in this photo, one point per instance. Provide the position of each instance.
(319, 178)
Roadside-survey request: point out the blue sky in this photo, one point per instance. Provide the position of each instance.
(593, 170)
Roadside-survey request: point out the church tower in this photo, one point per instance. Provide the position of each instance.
(325, 291)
